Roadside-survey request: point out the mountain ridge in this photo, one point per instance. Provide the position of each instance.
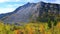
(31, 11)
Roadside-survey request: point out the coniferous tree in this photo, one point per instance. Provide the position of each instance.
(49, 23)
(55, 22)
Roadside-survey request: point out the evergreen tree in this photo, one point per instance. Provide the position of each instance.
(55, 22)
(49, 23)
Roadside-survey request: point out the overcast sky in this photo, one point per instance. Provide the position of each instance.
(10, 5)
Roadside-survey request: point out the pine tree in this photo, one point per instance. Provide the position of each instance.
(55, 22)
(49, 23)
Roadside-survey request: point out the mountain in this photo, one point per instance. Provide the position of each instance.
(32, 11)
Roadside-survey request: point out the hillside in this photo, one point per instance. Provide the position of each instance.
(40, 11)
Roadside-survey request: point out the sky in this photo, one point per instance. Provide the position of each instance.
(10, 5)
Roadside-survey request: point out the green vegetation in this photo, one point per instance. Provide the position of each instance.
(49, 23)
(30, 28)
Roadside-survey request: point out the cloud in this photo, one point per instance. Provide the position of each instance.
(28, 0)
(6, 10)
(14, 5)
(13, 0)
(57, 1)
(2, 1)
(9, 8)
(52, 1)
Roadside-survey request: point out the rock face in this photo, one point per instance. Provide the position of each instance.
(32, 11)
(49, 10)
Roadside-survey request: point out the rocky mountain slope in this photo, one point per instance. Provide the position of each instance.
(32, 11)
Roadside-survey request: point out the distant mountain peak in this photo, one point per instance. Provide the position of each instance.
(28, 3)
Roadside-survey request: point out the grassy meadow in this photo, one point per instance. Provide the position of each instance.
(29, 28)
